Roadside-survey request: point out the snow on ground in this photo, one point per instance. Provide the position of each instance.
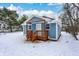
(13, 44)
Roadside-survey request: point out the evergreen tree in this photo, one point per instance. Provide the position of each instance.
(9, 16)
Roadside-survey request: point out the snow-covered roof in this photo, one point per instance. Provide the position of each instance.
(24, 23)
(47, 19)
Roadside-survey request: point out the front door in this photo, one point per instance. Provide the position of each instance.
(38, 27)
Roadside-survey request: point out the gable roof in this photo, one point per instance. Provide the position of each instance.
(48, 17)
(42, 18)
(30, 19)
(38, 19)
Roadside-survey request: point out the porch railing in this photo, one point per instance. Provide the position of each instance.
(37, 35)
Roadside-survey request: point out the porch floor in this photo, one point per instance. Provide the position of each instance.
(37, 35)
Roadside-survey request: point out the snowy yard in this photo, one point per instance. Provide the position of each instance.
(14, 44)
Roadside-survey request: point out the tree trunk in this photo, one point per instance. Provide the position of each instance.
(75, 37)
(10, 28)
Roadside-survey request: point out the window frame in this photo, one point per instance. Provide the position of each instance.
(47, 26)
(29, 26)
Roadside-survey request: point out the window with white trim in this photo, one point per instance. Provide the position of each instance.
(47, 26)
(29, 26)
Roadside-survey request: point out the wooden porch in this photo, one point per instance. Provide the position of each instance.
(37, 35)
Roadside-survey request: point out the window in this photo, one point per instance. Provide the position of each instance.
(47, 26)
(29, 26)
(38, 26)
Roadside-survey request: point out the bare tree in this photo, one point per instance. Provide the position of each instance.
(70, 18)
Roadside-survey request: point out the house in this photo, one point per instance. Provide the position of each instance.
(3, 26)
(44, 28)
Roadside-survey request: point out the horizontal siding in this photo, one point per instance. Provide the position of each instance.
(33, 27)
(52, 30)
(43, 26)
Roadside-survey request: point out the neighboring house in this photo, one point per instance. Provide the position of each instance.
(45, 27)
(3, 26)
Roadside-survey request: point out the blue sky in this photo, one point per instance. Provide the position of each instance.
(37, 6)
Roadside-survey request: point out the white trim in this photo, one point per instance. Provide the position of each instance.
(56, 31)
(23, 29)
(52, 38)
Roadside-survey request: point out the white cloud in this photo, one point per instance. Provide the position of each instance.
(12, 7)
(51, 4)
(21, 12)
(1, 6)
(35, 12)
(42, 13)
(48, 13)
(18, 9)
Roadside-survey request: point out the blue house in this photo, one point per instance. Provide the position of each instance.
(43, 23)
